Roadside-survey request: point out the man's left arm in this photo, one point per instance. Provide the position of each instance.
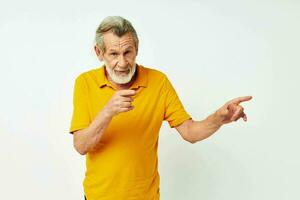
(194, 131)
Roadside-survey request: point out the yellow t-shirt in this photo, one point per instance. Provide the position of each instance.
(126, 165)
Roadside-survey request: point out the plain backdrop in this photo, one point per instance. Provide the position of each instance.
(212, 51)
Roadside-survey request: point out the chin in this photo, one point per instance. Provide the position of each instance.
(121, 80)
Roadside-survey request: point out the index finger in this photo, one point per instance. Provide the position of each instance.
(127, 93)
(240, 100)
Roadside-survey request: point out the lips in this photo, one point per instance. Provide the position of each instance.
(121, 72)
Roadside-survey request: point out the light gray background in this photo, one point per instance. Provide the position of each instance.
(212, 51)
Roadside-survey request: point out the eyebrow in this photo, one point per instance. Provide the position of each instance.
(114, 50)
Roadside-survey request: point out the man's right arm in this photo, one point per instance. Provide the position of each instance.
(88, 139)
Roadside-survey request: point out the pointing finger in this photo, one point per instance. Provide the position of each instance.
(240, 100)
(126, 93)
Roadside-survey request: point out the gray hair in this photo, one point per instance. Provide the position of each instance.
(119, 26)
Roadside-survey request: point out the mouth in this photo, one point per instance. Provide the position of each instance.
(124, 72)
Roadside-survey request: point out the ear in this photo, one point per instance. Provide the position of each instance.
(99, 53)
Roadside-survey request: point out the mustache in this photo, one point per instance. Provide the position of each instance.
(128, 67)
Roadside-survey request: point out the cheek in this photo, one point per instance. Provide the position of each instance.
(131, 59)
(112, 63)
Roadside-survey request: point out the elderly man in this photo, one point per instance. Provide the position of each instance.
(118, 111)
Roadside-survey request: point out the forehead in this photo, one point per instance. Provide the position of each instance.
(113, 41)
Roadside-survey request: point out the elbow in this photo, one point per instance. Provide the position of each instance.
(77, 144)
(82, 152)
(194, 140)
(189, 138)
(191, 141)
(79, 149)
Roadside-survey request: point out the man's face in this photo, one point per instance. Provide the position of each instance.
(119, 57)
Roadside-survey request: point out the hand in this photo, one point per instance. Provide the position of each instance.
(120, 102)
(232, 111)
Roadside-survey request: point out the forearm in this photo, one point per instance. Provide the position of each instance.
(200, 130)
(88, 139)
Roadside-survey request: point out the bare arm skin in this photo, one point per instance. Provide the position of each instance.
(88, 139)
(194, 131)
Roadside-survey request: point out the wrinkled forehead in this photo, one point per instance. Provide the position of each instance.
(113, 41)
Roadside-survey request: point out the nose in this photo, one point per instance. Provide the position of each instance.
(122, 63)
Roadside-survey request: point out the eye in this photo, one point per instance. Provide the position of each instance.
(113, 54)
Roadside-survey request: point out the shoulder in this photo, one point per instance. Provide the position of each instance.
(91, 74)
(153, 73)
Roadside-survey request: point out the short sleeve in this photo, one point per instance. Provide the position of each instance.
(80, 118)
(175, 114)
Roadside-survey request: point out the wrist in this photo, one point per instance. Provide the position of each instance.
(215, 120)
(107, 113)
